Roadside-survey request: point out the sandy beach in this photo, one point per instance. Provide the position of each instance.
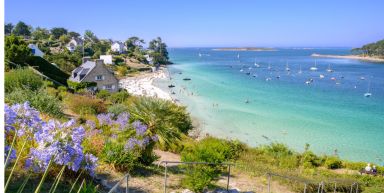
(355, 57)
(142, 85)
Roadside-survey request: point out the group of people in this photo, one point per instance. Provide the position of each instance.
(370, 170)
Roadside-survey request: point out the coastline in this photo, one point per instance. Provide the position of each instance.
(142, 85)
(354, 57)
(244, 49)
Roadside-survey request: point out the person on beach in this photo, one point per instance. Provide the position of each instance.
(374, 170)
(368, 167)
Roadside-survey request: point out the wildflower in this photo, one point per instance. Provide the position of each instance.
(12, 156)
(91, 124)
(140, 128)
(122, 120)
(90, 163)
(105, 119)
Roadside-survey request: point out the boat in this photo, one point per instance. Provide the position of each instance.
(362, 78)
(269, 66)
(268, 79)
(278, 76)
(300, 71)
(313, 68)
(321, 76)
(368, 93)
(256, 64)
(329, 68)
(287, 67)
(173, 92)
(238, 56)
(254, 75)
(171, 86)
(186, 79)
(241, 70)
(248, 73)
(333, 78)
(247, 101)
(200, 54)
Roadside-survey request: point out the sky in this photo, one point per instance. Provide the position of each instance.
(211, 23)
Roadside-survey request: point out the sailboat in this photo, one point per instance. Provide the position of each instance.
(269, 66)
(368, 93)
(200, 54)
(300, 71)
(329, 68)
(238, 56)
(313, 68)
(287, 67)
(256, 64)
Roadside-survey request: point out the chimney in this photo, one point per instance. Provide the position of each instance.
(85, 59)
(99, 62)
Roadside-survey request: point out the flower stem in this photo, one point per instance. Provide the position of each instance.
(24, 183)
(81, 186)
(77, 179)
(57, 180)
(44, 176)
(10, 149)
(14, 165)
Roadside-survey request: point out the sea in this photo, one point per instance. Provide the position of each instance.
(261, 97)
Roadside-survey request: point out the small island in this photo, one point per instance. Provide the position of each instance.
(244, 49)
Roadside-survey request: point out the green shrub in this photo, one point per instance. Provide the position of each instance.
(310, 160)
(84, 105)
(39, 99)
(333, 162)
(210, 150)
(116, 155)
(118, 97)
(80, 85)
(116, 109)
(22, 78)
(103, 94)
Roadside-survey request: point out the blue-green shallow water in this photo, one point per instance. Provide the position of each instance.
(324, 114)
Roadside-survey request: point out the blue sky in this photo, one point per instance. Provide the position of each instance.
(201, 23)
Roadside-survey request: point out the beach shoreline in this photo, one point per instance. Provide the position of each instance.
(142, 85)
(354, 57)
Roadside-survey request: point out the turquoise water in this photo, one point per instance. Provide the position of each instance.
(324, 114)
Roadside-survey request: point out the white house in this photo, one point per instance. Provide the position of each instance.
(107, 59)
(149, 59)
(71, 46)
(35, 50)
(118, 47)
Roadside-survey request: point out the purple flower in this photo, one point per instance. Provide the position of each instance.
(155, 138)
(140, 128)
(78, 134)
(122, 120)
(105, 119)
(12, 156)
(91, 124)
(90, 163)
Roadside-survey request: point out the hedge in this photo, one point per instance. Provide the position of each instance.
(48, 69)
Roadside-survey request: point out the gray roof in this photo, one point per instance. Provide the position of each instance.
(83, 70)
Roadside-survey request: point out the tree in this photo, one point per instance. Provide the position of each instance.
(158, 51)
(40, 34)
(22, 29)
(8, 28)
(64, 39)
(132, 43)
(73, 34)
(58, 31)
(16, 51)
(90, 36)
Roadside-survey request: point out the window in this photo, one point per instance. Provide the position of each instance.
(99, 77)
(108, 87)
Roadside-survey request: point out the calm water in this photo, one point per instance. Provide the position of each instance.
(327, 114)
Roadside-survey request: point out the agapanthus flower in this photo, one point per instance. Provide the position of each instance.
(91, 124)
(90, 163)
(155, 138)
(122, 120)
(12, 156)
(27, 118)
(105, 119)
(140, 128)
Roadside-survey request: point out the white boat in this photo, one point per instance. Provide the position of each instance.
(241, 70)
(368, 93)
(329, 68)
(238, 56)
(313, 68)
(287, 67)
(269, 66)
(200, 54)
(321, 76)
(256, 64)
(300, 71)
(362, 78)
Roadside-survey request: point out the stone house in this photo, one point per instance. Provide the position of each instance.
(95, 71)
(118, 47)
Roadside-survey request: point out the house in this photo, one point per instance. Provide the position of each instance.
(149, 59)
(107, 59)
(35, 50)
(74, 43)
(95, 71)
(118, 47)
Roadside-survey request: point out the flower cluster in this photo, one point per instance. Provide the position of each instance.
(58, 143)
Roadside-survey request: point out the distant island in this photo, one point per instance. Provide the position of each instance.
(373, 52)
(244, 49)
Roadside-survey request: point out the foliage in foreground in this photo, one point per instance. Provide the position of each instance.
(168, 120)
(39, 146)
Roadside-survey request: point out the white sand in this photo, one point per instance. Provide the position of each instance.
(143, 85)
